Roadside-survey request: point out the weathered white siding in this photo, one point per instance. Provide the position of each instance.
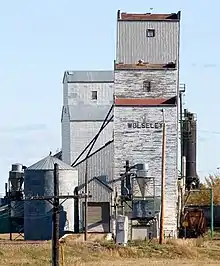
(129, 83)
(84, 114)
(81, 133)
(82, 93)
(144, 145)
(133, 45)
(140, 145)
(100, 164)
(65, 94)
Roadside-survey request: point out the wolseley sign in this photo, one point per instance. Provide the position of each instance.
(157, 125)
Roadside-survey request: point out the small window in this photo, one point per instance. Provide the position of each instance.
(150, 33)
(147, 85)
(94, 95)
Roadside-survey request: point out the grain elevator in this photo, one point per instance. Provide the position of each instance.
(146, 95)
(87, 99)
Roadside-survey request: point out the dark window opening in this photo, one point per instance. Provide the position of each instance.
(147, 85)
(94, 95)
(150, 33)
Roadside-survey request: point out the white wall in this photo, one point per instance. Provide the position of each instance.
(76, 93)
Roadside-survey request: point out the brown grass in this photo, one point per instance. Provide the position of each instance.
(100, 252)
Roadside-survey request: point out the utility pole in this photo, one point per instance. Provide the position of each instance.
(54, 200)
(56, 216)
(86, 202)
(163, 168)
(181, 189)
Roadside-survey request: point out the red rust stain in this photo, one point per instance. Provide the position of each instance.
(127, 16)
(139, 101)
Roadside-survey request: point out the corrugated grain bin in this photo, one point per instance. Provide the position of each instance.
(38, 181)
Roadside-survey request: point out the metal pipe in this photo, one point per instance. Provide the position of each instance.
(76, 211)
(6, 189)
(10, 220)
(212, 213)
(181, 133)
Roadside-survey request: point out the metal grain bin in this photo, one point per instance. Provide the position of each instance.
(38, 181)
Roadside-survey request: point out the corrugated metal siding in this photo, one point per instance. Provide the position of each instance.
(81, 133)
(99, 164)
(48, 162)
(38, 213)
(133, 45)
(130, 83)
(81, 93)
(66, 137)
(82, 112)
(138, 145)
(88, 76)
(65, 94)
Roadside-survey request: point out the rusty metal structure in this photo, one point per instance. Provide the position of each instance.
(193, 223)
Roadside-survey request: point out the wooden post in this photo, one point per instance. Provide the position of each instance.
(55, 239)
(162, 183)
(86, 203)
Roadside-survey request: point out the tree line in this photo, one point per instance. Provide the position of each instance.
(202, 197)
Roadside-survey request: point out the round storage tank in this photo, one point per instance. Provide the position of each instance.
(39, 181)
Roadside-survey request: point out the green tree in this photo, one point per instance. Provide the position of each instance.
(202, 197)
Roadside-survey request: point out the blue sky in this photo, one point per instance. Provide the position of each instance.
(40, 39)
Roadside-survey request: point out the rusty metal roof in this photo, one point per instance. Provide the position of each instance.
(148, 16)
(144, 101)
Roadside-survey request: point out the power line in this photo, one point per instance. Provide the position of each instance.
(211, 132)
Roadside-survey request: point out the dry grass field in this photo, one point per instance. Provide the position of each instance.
(100, 252)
